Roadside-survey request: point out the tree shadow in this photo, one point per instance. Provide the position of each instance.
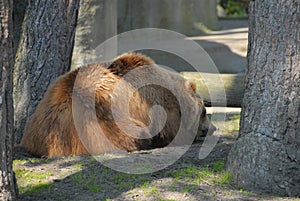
(97, 182)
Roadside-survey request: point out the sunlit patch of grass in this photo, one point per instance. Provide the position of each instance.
(229, 124)
(30, 182)
(19, 162)
(216, 175)
(223, 178)
(79, 165)
(151, 191)
(159, 198)
(189, 188)
(22, 173)
(145, 185)
(245, 192)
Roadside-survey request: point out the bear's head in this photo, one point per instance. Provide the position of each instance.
(205, 126)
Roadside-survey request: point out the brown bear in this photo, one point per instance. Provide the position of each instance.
(105, 106)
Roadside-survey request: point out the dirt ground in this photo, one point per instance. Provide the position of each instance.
(84, 178)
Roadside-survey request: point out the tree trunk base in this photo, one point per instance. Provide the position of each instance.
(268, 161)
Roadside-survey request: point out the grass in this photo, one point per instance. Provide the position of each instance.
(172, 188)
(118, 181)
(31, 176)
(30, 182)
(89, 182)
(189, 188)
(188, 179)
(218, 166)
(216, 175)
(245, 192)
(79, 165)
(19, 162)
(151, 191)
(224, 178)
(145, 185)
(230, 126)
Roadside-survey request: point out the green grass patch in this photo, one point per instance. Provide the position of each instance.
(19, 162)
(189, 188)
(218, 166)
(35, 188)
(163, 199)
(245, 192)
(151, 191)
(227, 125)
(89, 182)
(117, 181)
(145, 185)
(30, 182)
(213, 174)
(223, 178)
(79, 165)
(172, 188)
(24, 174)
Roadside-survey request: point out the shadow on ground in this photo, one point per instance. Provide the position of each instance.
(96, 182)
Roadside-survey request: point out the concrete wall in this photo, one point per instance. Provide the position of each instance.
(189, 17)
(97, 22)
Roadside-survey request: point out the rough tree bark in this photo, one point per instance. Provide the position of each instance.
(44, 53)
(266, 156)
(8, 190)
(18, 16)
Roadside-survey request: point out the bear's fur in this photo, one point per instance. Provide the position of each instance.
(53, 128)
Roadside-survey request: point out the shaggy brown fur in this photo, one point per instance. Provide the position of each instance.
(53, 128)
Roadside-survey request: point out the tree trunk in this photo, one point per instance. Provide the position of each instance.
(8, 190)
(18, 16)
(266, 156)
(44, 53)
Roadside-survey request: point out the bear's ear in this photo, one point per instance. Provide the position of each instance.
(128, 61)
(190, 86)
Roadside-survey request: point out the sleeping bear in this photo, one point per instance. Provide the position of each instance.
(128, 104)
